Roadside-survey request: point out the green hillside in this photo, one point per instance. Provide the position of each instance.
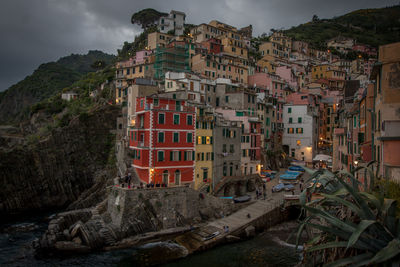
(47, 80)
(368, 26)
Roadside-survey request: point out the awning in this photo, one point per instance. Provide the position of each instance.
(322, 157)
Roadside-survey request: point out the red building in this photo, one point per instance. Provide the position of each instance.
(162, 141)
(213, 46)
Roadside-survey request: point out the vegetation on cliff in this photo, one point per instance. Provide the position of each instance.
(368, 26)
(46, 81)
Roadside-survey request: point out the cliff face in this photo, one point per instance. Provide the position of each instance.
(54, 172)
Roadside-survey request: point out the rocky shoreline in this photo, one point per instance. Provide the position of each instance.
(130, 218)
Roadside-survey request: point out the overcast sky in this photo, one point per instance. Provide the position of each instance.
(39, 31)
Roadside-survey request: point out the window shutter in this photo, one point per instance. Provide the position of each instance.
(171, 156)
(180, 156)
(212, 155)
(211, 139)
(184, 156)
(192, 155)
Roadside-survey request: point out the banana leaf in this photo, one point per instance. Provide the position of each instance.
(372, 199)
(363, 225)
(346, 203)
(334, 244)
(387, 253)
(368, 214)
(345, 236)
(331, 219)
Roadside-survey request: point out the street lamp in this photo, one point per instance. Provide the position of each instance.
(356, 163)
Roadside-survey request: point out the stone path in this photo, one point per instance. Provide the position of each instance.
(236, 222)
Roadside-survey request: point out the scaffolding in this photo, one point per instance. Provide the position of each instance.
(174, 58)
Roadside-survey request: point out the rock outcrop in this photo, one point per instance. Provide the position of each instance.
(54, 172)
(129, 215)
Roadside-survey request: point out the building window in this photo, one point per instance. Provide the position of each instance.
(290, 130)
(176, 119)
(161, 137)
(290, 120)
(299, 130)
(189, 120)
(227, 99)
(189, 137)
(299, 119)
(176, 138)
(177, 177)
(231, 149)
(224, 148)
(175, 155)
(205, 175)
(155, 101)
(161, 118)
(160, 156)
(224, 170)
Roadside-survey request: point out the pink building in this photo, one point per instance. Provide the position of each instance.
(286, 73)
(142, 55)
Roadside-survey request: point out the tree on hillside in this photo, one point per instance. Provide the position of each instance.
(315, 18)
(146, 17)
(98, 65)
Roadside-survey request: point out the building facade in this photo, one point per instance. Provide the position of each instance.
(162, 141)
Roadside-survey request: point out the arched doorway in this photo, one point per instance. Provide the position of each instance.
(165, 176)
(177, 177)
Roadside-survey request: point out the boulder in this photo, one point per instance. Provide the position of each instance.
(250, 231)
(71, 247)
(158, 253)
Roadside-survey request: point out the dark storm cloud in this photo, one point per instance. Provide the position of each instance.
(38, 31)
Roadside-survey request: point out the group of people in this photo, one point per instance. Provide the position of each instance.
(261, 192)
(226, 228)
(126, 181)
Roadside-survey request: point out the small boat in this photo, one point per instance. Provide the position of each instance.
(242, 199)
(296, 168)
(211, 236)
(226, 197)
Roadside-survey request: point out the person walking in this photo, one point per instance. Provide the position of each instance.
(265, 194)
(257, 193)
(129, 180)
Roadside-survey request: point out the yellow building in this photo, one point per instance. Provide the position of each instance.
(156, 39)
(217, 66)
(127, 71)
(267, 65)
(204, 148)
(214, 29)
(278, 46)
(234, 47)
(326, 71)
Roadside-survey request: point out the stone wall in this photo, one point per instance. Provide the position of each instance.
(145, 210)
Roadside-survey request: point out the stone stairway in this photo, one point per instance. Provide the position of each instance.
(104, 231)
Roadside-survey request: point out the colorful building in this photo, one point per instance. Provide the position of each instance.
(162, 141)
(204, 148)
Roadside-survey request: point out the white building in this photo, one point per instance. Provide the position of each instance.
(69, 96)
(301, 131)
(185, 86)
(173, 22)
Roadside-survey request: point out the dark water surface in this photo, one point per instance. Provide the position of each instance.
(264, 250)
